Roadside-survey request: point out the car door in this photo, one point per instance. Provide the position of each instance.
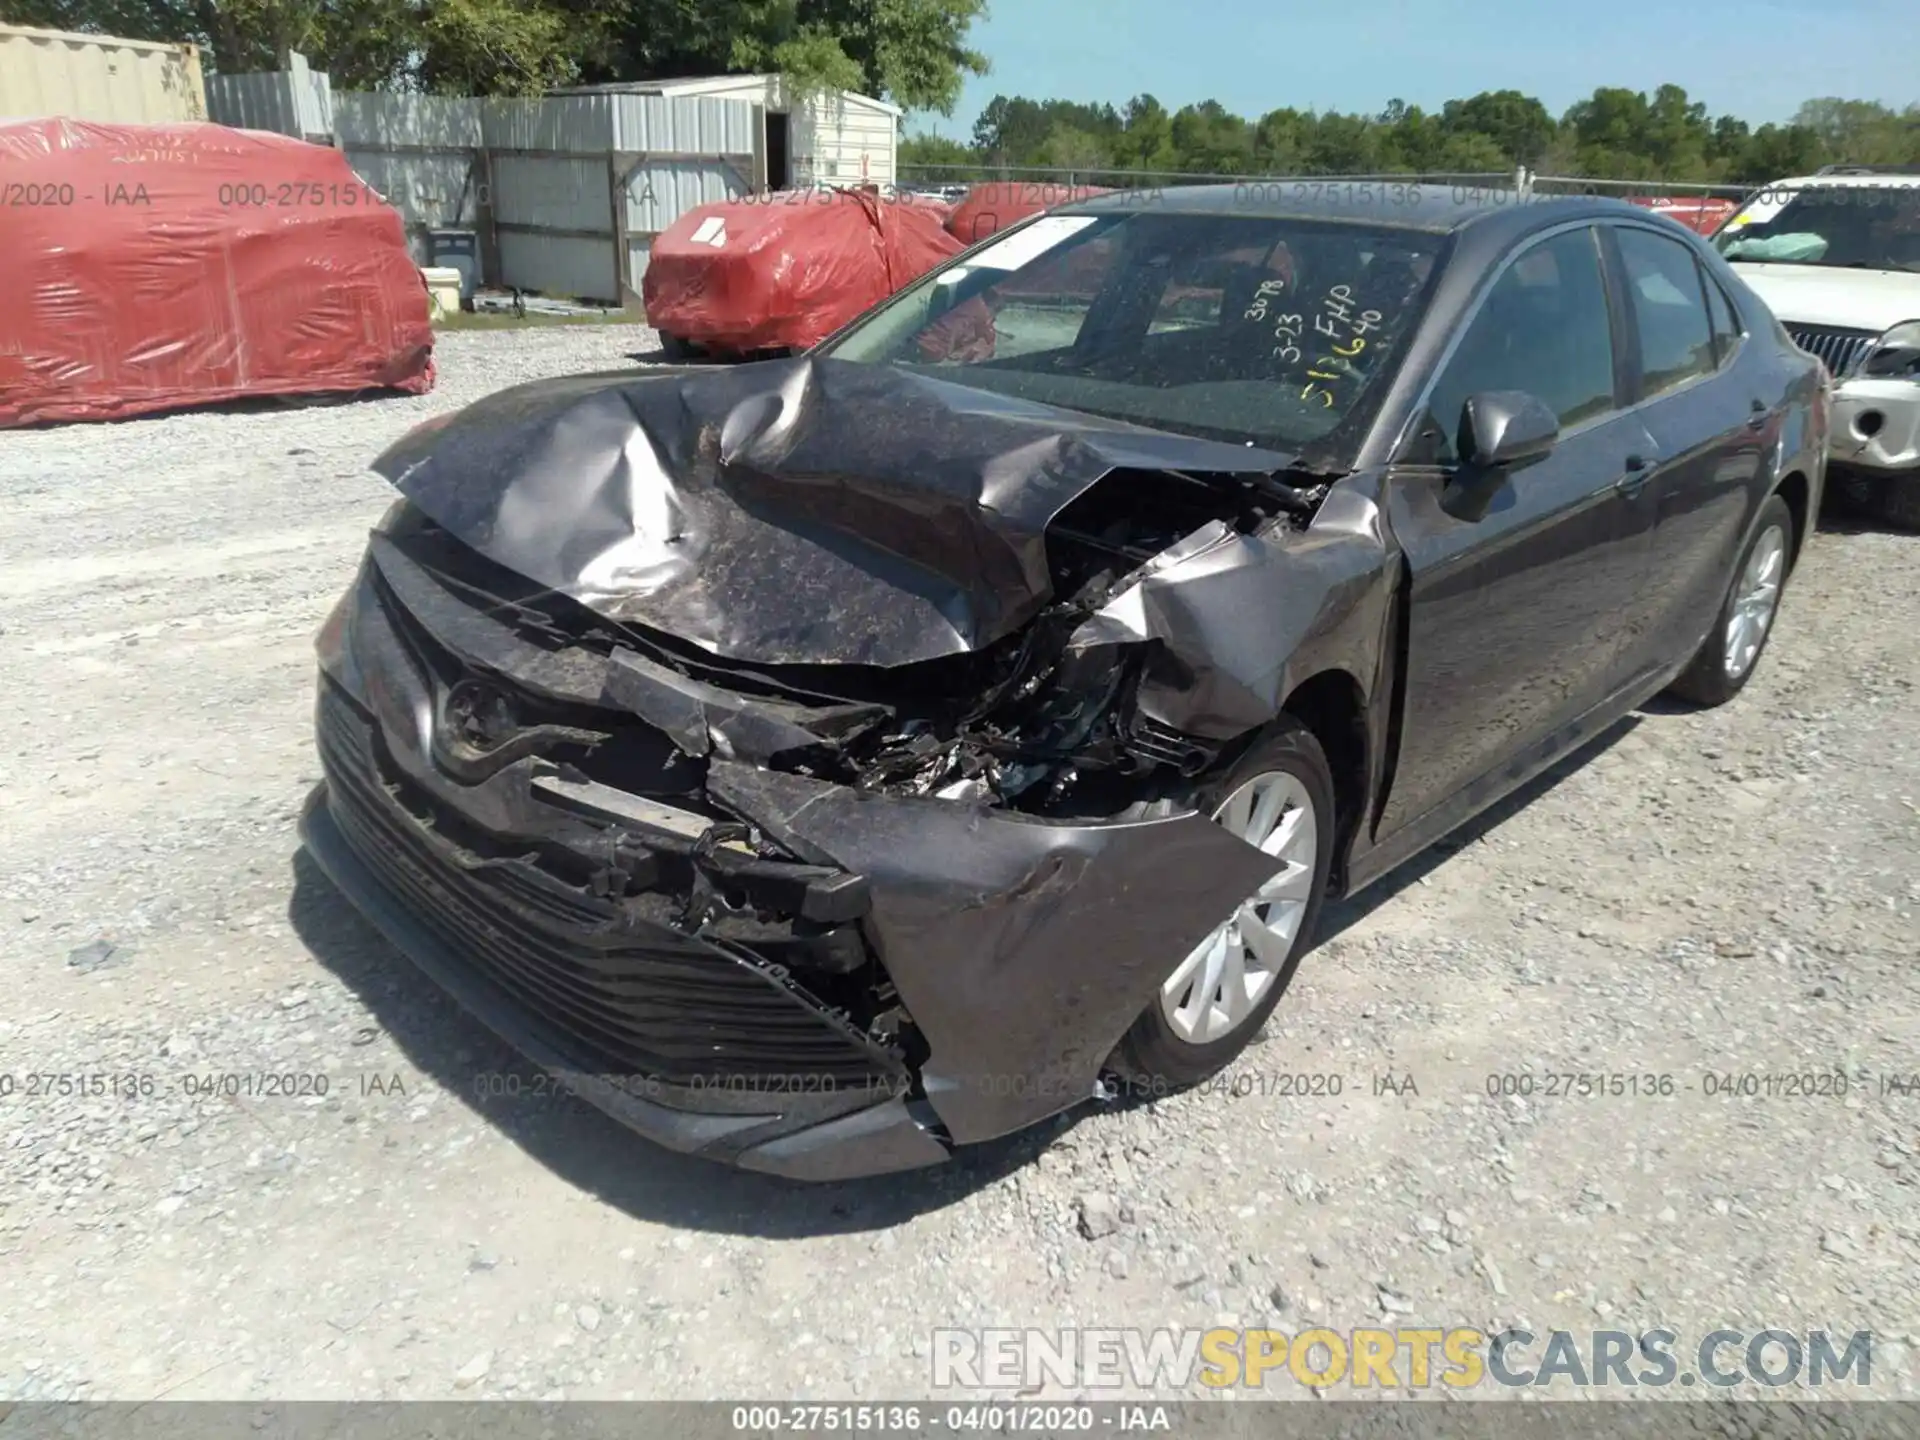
(1711, 427)
(1517, 585)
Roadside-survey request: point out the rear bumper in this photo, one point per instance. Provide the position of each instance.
(857, 1135)
(1876, 427)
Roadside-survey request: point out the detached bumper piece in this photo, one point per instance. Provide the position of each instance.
(701, 1045)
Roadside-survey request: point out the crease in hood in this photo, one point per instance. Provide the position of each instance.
(796, 511)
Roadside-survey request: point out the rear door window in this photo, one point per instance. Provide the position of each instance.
(1727, 332)
(1669, 308)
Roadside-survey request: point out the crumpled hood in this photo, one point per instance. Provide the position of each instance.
(1835, 295)
(796, 511)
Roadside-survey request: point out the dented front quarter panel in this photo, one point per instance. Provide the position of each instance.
(1022, 948)
(1244, 619)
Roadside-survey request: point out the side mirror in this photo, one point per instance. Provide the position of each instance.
(1501, 429)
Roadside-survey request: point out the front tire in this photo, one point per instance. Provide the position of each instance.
(1731, 652)
(1214, 1000)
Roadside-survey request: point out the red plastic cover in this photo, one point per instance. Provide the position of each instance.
(998, 203)
(786, 269)
(1703, 214)
(153, 266)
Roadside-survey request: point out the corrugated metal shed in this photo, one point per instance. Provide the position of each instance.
(840, 138)
(96, 77)
(846, 140)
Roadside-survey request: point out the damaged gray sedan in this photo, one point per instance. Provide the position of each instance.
(824, 763)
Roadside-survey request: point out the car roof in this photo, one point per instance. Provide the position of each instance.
(1893, 179)
(1437, 209)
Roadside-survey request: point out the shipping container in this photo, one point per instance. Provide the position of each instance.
(48, 73)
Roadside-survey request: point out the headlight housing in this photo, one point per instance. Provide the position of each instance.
(1895, 355)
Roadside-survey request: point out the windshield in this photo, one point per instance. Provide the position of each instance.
(1873, 227)
(1282, 333)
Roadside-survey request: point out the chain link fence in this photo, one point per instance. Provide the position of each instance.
(941, 177)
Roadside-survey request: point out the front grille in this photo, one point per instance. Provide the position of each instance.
(1837, 348)
(662, 1005)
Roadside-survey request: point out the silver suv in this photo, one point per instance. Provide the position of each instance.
(1836, 255)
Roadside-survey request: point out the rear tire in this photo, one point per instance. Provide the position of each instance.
(1731, 652)
(1159, 1049)
(672, 347)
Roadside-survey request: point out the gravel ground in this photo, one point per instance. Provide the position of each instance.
(1726, 892)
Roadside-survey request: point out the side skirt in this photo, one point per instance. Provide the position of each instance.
(1497, 784)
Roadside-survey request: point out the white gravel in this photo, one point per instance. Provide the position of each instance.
(1732, 891)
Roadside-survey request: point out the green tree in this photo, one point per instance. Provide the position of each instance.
(1282, 141)
(1210, 139)
(1777, 151)
(1860, 132)
(1518, 125)
(912, 52)
(1145, 141)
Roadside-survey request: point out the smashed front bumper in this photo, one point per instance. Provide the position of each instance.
(1876, 427)
(1020, 949)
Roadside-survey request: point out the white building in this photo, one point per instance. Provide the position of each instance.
(839, 138)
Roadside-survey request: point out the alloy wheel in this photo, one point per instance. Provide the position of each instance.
(1755, 598)
(1218, 985)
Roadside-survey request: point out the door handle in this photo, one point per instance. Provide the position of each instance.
(1759, 420)
(1630, 484)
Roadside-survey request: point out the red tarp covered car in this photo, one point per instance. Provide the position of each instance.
(1702, 213)
(785, 270)
(153, 266)
(998, 203)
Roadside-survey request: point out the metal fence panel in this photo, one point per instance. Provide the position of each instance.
(552, 192)
(554, 217)
(372, 120)
(264, 101)
(433, 191)
(912, 174)
(549, 264)
(581, 123)
(422, 152)
(661, 191)
(1580, 185)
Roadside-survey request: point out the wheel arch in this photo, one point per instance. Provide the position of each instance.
(1332, 705)
(1797, 491)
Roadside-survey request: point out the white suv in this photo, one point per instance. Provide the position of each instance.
(1836, 256)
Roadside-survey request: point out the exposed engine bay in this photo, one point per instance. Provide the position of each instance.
(957, 603)
(1035, 721)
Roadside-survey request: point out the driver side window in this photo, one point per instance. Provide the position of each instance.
(1542, 328)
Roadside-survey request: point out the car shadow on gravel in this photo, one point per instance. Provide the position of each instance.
(1343, 915)
(241, 405)
(588, 1149)
(581, 1145)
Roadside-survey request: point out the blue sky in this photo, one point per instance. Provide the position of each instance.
(1754, 58)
